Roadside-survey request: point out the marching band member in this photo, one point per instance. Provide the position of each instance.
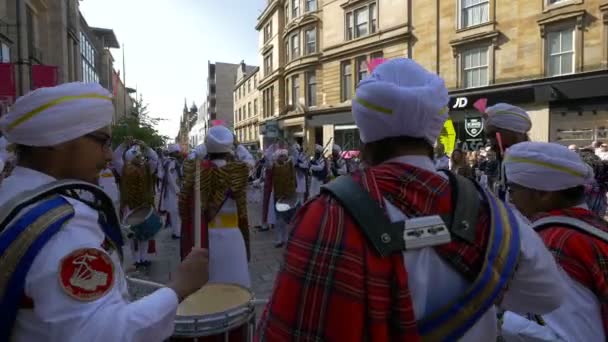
(137, 182)
(282, 178)
(336, 286)
(170, 188)
(318, 170)
(505, 126)
(70, 286)
(546, 183)
(301, 165)
(108, 182)
(223, 208)
(269, 217)
(8, 157)
(242, 154)
(338, 164)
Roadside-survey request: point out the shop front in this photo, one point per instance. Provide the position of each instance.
(336, 125)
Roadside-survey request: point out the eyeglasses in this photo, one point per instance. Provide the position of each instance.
(102, 139)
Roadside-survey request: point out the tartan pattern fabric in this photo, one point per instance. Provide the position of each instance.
(333, 286)
(582, 256)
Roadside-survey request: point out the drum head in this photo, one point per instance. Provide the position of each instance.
(137, 216)
(214, 298)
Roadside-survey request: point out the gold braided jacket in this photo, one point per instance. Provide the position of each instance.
(136, 186)
(283, 180)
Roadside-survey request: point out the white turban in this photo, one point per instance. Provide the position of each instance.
(200, 151)
(318, 148)
(336, 148)
(509, 117)
(219, 140)
(280, 153)
(400, 98)
(545, 166)
(132, 153)
(51, 116)
(296, 146)
(172, 148)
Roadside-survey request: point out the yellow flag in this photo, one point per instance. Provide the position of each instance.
(448, 136)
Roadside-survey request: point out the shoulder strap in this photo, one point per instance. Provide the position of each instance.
(20, 243)
(572, 223)
(465, 196)
(384, 235)
(108, 214)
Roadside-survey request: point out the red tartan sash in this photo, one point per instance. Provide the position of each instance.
(334, 287)
(583, 257)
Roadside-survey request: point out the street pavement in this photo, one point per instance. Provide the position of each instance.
(264, 265)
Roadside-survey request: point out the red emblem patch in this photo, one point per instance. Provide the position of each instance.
(86, 274)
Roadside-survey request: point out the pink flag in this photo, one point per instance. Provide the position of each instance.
(218, 123)
(371, 65)
(481, 105)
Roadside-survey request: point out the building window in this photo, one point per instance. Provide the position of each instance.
(248, 110)
(236, 116)
(376, 55)
(286, 12)
(287, 52)
(287, 92)
(474, 12)
(255, 107)
(361, 21)
(295, 90)
(5, 53)
(560, 52)
(268, 64)
(553, 2)
(249, 86)
(347, 81)
(311, 5)
(295, 46)
(295, 8)
(311, 89)
(267, 32)
(255, 81)
(361, 68)
(475, 67)
(311, 40)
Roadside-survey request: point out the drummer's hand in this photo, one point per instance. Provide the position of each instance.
(191, 274)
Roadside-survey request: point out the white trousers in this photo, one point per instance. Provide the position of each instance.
(228, 257)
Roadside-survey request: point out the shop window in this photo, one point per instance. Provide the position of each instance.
(474, 12)
(475, 67)
(560, 52)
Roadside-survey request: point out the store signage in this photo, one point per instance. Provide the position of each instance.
(473, 126)
(460, 102)
(270, 129)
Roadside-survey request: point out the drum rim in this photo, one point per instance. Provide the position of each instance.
(133, 211)
(248, 304)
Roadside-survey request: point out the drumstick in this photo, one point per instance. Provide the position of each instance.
(197, 206)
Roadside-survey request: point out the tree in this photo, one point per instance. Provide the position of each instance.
(140, 126)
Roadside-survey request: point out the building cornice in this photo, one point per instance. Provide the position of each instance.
(269, 79)
(268, 12)
(305, 62)
(554, 18)
(300, 22)
(334, 52)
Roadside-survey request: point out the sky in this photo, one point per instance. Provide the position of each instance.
(168, 43)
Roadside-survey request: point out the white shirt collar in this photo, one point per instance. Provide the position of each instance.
(421, 162)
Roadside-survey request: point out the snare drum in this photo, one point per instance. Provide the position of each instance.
(217, 312)
(143, 222)
(286, 208)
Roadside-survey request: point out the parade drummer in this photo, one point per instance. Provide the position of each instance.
(170, 189)
(338, 164)
(70, 286)
(223, 202)
(282, 179)
(337, 285)
(547, 184)
(505, 125)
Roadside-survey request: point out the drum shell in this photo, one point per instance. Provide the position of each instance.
(148, 228)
